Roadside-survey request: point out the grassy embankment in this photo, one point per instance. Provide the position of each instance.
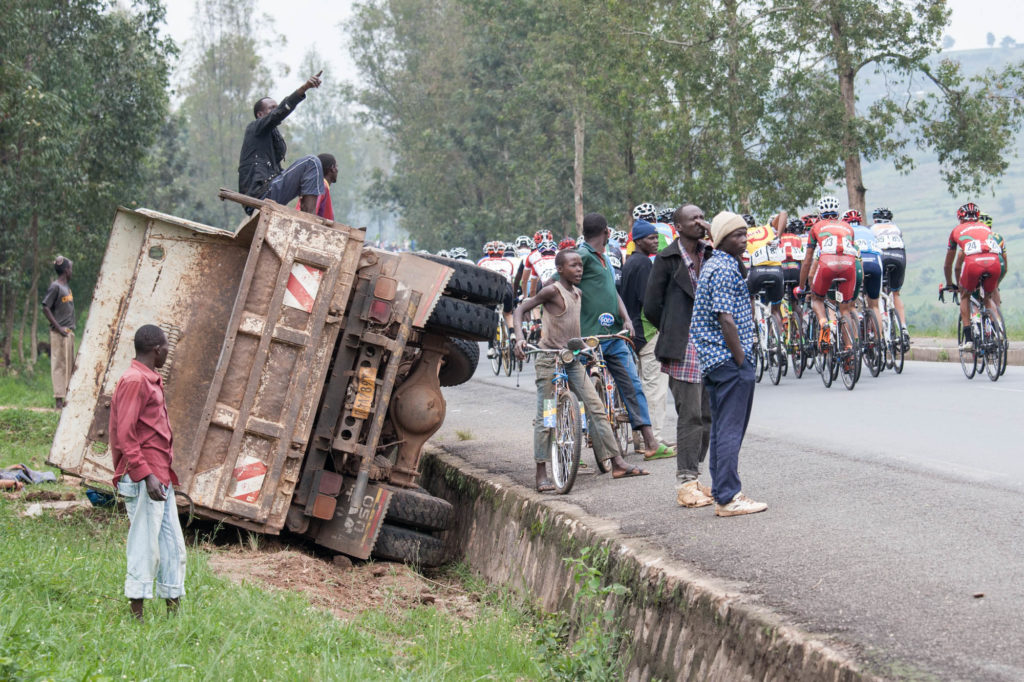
(63, 616)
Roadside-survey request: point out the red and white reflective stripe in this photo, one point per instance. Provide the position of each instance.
(248, 479)
(303, 284)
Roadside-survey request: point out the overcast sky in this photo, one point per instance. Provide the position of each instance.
(318, 22)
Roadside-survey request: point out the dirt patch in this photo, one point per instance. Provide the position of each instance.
(344, 591)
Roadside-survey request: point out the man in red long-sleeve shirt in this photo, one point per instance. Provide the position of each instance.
(141, 445)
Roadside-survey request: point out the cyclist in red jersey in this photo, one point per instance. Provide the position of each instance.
(837, 259)
(981, 256)
(524, 282)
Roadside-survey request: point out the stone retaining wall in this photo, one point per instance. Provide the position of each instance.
(682, 626)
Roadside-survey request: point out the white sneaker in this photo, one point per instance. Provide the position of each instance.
(491, 352)
(967, 346)
(741, 504)
(690, 495)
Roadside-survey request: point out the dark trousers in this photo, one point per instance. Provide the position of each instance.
(693, 427)
(731, 395)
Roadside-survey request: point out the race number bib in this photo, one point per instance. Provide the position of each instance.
(759, 256)
(973, 247)
(890, 241)
(776, 253)
(993, 245)
(797, 253)
(835, 245)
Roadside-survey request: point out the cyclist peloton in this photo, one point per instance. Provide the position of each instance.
(974, 240)
(870, 257)
(793, 242)
(837, 259)
(889, 239)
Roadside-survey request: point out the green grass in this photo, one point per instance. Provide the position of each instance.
(63, 616)
(27, 387)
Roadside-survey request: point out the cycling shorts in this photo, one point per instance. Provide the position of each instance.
(766, 278)
(790, 274)
(508, 301)
(832, 266)
(872, 274)
(894, 262)
(975, 267)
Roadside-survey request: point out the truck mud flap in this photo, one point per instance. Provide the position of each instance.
(354, 529)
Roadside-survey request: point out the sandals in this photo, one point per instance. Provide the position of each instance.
(663, 452)
(631, 471)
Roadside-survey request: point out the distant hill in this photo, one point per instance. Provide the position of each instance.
(927, 212)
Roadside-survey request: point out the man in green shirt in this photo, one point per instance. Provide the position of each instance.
(603, 312)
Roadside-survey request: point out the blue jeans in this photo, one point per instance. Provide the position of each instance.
(601, 434)
(627, 380)
(156, 547)
(731, 395)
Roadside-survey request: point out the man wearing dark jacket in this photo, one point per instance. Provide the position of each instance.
(264, 149)
(668, 304)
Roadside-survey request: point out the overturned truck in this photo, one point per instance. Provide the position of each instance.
(304, 374)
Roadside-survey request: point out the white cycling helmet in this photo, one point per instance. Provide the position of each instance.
(620, 236)
(645, 211)
(458, 253)
(444, 253)
(828, 205)
(522, 241)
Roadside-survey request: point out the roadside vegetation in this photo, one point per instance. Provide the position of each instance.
(63, 616)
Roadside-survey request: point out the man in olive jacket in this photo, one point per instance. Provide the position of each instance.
(668, 304)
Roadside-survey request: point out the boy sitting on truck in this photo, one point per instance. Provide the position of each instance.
(560, 322)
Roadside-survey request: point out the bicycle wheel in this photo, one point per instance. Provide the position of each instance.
(508, 356)
(797, 352)
(565, 442)
(968, 358)
(992, 343)
(827, 359)
(848, 358)
(498, 345)
(896, 347)
(775, 354)
(1006, 345)
(620, 425)
(758, 361)
(872, 345)
(603, 465)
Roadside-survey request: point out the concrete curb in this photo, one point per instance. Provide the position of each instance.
(1015, 356)
(680, 625)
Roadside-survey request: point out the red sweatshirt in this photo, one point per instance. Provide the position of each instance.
(140, 433)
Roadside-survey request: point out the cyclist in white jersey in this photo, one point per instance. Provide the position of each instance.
(889, 240)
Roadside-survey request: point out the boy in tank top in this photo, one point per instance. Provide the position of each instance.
(561, 322)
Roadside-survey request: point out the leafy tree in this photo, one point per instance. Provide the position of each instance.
(990, 38)
(73, 138)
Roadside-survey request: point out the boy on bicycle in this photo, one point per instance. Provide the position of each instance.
(560, 321)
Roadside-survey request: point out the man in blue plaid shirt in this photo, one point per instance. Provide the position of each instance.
(722, 329)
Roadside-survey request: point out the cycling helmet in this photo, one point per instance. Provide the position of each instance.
(548, 246)
(749, 220)
(444, 253)
(542, 236)
(986, 219)
(881, 214)
(489, 248)
(665, 216)
(567, 243)
(968, 211)
(645, 211)
(510, 249)
(828, 205)
(620, 236)
(853, 216)
(580, 240)
(522, 241)
(809, 220)
(458, 253)
(795, 225)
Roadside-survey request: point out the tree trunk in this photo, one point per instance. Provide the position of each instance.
(33, 295)
(855, 189)
(734, 93)
(578, 129)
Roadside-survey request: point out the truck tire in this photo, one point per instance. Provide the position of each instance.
(408, 546)
(419, 510)
(460, 364)
(471, 282)
(462, 319)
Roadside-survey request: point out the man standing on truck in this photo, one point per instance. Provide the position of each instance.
(263, 151)
(59, 309)
(140, 443)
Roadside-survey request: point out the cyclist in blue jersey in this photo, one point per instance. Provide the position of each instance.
(870, 255)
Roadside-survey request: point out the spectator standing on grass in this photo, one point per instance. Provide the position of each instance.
(668, 304)
(59, 309)
(723, 330)
(635, 275)
(141, 446)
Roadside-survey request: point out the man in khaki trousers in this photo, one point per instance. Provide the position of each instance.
(59, 308)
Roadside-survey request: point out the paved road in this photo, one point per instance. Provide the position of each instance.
(890, 508)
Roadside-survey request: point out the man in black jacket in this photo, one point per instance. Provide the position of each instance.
(668, 304)
(263, 151)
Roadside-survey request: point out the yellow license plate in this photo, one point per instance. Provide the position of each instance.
(364, 396)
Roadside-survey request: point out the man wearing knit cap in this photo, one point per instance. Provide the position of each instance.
(723, 330)
(633, 287)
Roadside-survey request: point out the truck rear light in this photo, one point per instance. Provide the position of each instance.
(324, 506)
(385, 288)
(380, 312)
